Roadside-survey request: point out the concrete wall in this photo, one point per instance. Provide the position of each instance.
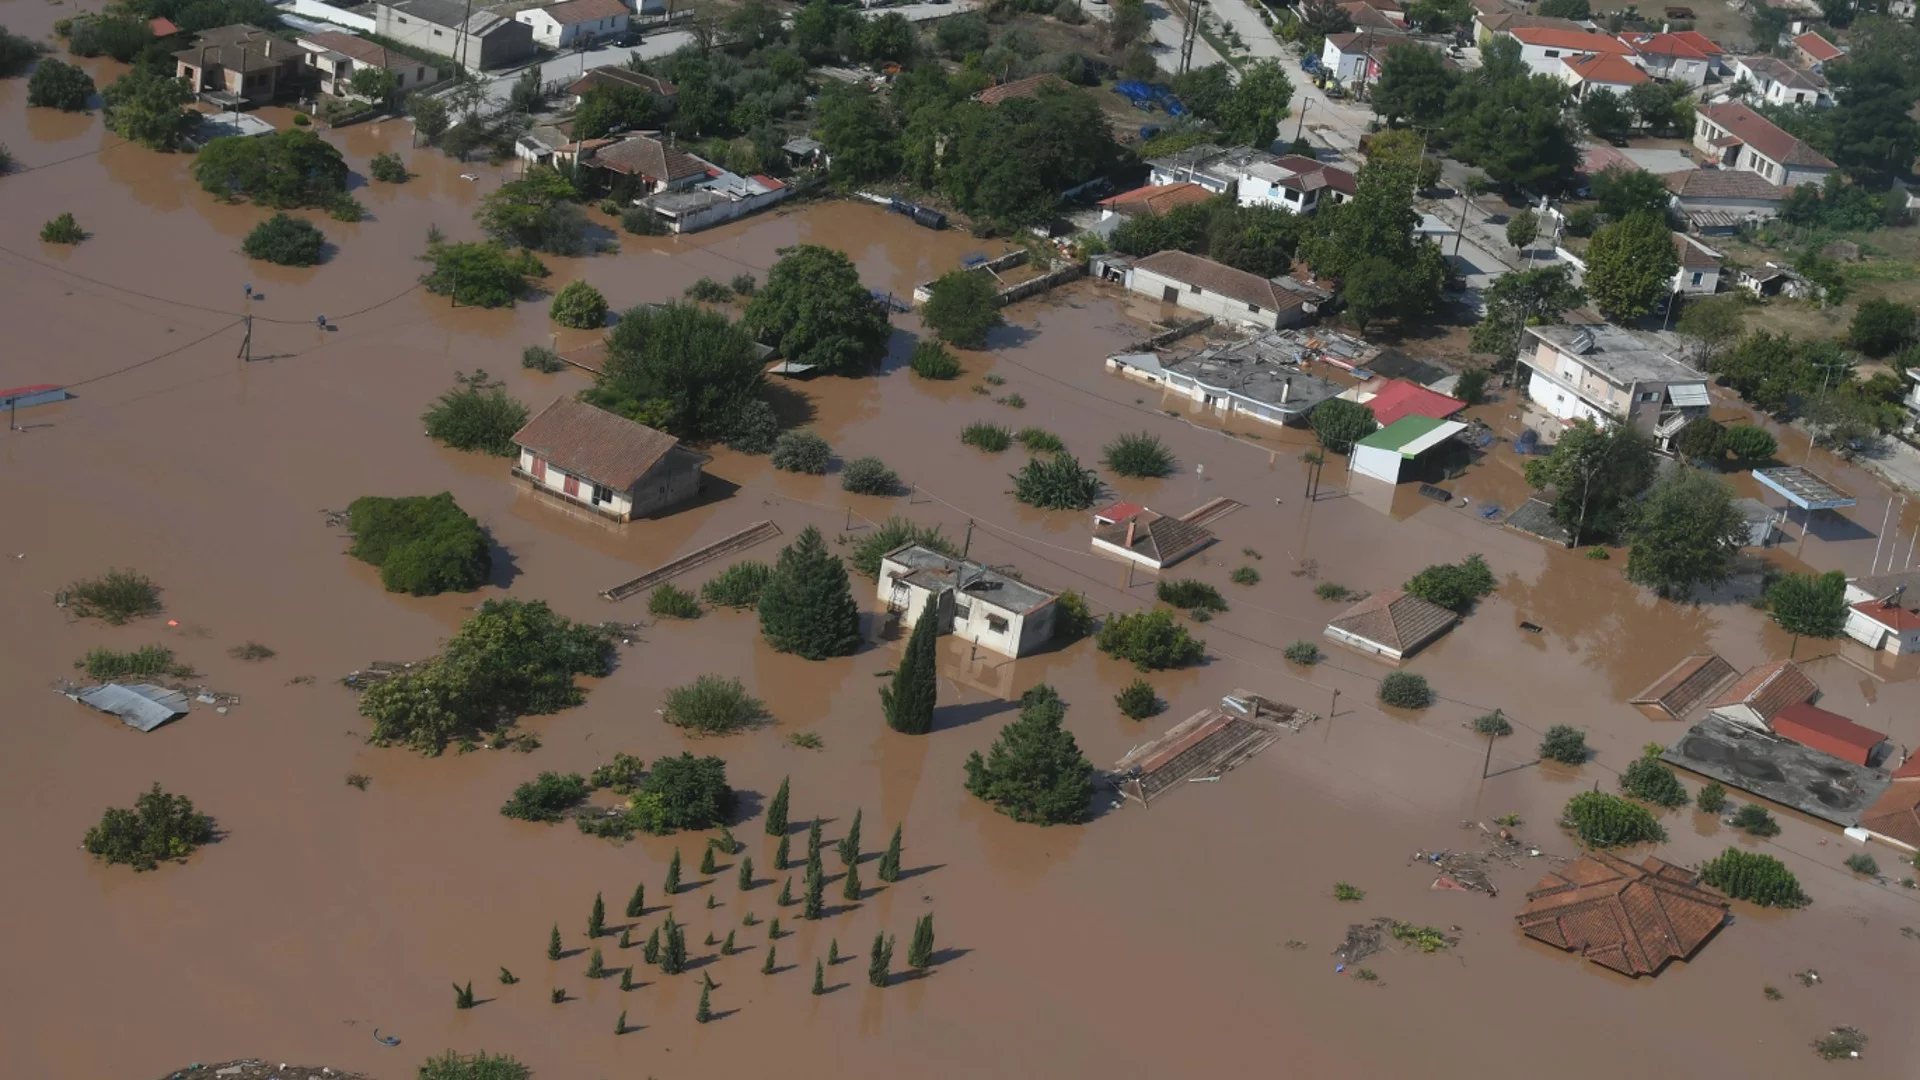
(720, 213)
(1874, 636)
(507, 43)
(554, 481)
(1378, 463)
(668, 484)
(1149, 284)
(314, 9)
(556, 35)
(1365, 646)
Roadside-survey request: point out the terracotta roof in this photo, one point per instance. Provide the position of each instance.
(1515, 20)
(1684, 684)
(1157, 198)
(618, 76)
(1685, 44)
(162, 27)
(644, 155)
(1769, 688)
(1363, 15)
(1578, 40)
(1119, 511)
(609, 450)
(1303, 173)
(1630, 918)
(1817, 47)
(1768, 69)
(240, 48)
(1692, 254)
(1898, 619)
(1161, 539)
(360, 49)
(1909, 769)
(1613, 70)
(1827, 732)
(1395, 620)
(1698, 40)
(1019, 88)
(1401, 398)
(1895, 815)
(1723, 184)
(1763, 135)
(571, 12)
(1224, 280)
(1366, 39)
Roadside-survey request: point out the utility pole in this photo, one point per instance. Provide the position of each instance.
(246, 340)
(967, 545)
(1487, 765)
(1192, 31)
(1301, 131)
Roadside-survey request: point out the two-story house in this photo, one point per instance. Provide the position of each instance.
(241, 64)
(1296, 184)
(1736, 137)
(339, 57)
(1544, 50)
(1776, 82)
(1686, 56)
(1611, 376)
(969, 600)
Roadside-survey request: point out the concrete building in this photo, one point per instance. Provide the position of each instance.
(1722, 201)
(1227, 294)
(1883, 612)
(1614, 74)
(1831, 733)
(970, 600)
(338, 57)
(1686, 56)
(476, 39)
(1776, 82)
(1699, 272)
(1733, 136)
(575, 22)
(1609, 375)
(1545, 50)
(241, 64)
(1214, 168)
(715, 199)
(1296, 184)
(1268, 377)
(1349, 57)
(1405, 444)
(606, 463)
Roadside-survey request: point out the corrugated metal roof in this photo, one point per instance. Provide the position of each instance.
(141, 706)
(1689, 394)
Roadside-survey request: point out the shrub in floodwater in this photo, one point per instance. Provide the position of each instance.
(1566, 745)
(541, 358)
(989, 437)
(738, 586)
(1150, 640)
(1138, 701)
(423, 544)
(547, 797)
(388, 169)
(63, 230)
(1190, 594)
(578, 305)
(1754, 820)
(117, 597)
(1406, 690)
(160, 826)
(801, 452)
(1303, 652)
(713, 705)
(1712, 797)
(1056, 483)
(1138, 454)
(477, 414)
(931, 360)
(1602, 820)
(1345, 892)
(670, 601)
(1035, 771)
(869, 476)
(1649, 780)
(1863, 864)
(105, 664)
(1244, 575)
(1748, 875)
(482, 1066)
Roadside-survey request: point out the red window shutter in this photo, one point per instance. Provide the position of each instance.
(573, 486)
(540, 469)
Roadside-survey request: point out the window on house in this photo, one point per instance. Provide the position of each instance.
(996, 624)
(1698, 277)
(1650, 395)
(1195, 289)
(437, 33)
(601, 495)
(1255, 308)
(402, 18)
(1551, 53)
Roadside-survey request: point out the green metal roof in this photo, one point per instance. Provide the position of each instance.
(1403, 432)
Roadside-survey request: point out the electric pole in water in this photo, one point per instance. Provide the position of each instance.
(246, 340)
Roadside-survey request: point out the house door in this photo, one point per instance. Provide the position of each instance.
(540, 469)
(573, 486)
(1170, 295)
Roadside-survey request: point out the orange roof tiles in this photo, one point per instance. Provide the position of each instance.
(1895, 815)
(1400, 398)
(1157, 198)
(1630, 918)
(1578, 40)
(1613, 70)
(1769, 688)
(1829, 733)
(1817, 47)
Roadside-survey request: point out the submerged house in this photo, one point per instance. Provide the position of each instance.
(1630, 917)
(1391, 624)
(971, 600)
(1228, 294)
(1759, 695)
(241, 65)
(607, 463)
(1140, 535)
(1883, 612)
(1268, 377)
(1894, 818)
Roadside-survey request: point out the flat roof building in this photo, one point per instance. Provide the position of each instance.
(970, 600)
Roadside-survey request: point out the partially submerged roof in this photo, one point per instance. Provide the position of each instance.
(929, 569)
(1804, 489)
(1895, 815)
(609, 450)
(1768, 688)
(1400, 398)
(1395, 620)
(1631, 918)
(1412, 436)
(141, 706)
(1893, 615)
(1778, 770)
(1686, 684)
(1159, 539)
(1207, 743)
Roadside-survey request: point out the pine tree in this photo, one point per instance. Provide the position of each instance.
(704, 1013)
(777, 810)
(767, 967)
(812, 906)
(908, 701)
(890, 862)
(726, 948)
(674, 961)
(920, 951)
(620, 1025)
(507, 978)
(850, 844)
(880, 960)
(813, 843)
(746, 872)
(651, 954)
(463, 996)
(626, 978)
(850, 885)
(596, 964)
(626, 937)
(807, 606)
(786, 892)
(597, 918)
(553, 943)
(706, 862)
(833, 950)
(819, 978)
(782, 854)
(672, 885)
(1035, 771)
(637, 903)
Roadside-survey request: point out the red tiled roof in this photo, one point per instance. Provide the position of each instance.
(1630, 918)
(1395, 620)
(1698, 40)
(1156, 198)
(1829, 733)
(1613, 70)
(1763, 135)
(1019, 88)
(1401, 398)
(1895, 815)
(1910, 770)
(647, 156)
(1769, 688)
(616, 76)
(609, 450)
(1686, 44)
(1161, 540)
(1578, 40)
(1119, 511)
(1724, 184)
(1363, 15)
(1685, 683)
(768, 182)
(162, 27)
(1817, 47)
(1892, 616)
(579, 11)
(1692, 254)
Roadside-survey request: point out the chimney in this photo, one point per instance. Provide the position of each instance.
(1130, 524)
(1286, 388)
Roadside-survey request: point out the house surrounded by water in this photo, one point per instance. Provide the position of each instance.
(971, 600)
(606, 463)
(1609, 375)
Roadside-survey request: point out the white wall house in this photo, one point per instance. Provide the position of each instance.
(1296, 184)
(1776, 82)
(1699, 272)
(1881, 612)
(1212, 288)
(1740, 138)
(575, 22)
(606, 463)
(473, 37)
(1687, 57)
(1545, 50)
(1609, 375)
(971, 601)
(338, 57)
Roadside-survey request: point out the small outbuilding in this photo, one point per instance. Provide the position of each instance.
(1894, 818)
(21, 397)
(607, 463)
(1632, 918)
(971, 600)
(1384, 454)
(1391, 624)
(1758, 696)
(1686, 684)
(1831, 733)
(140, 706)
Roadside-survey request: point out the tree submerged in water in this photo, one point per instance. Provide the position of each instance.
(160, 826)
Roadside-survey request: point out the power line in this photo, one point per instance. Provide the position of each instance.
(155, 359)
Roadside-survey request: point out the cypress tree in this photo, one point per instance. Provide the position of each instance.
(813, 842)
(675, 960)
(597, 918)
(507, 978)
(711, 940)
(880, 960)
(819, 978)
(553, 943)
(908, 701)
(706, 980)
(620, 1025)
(807, 606)
(746, 872)
(637, 903)
(773, 931)
(706, 861)
(850, 885)
(833, 950)
(673, 874)
(728, 845)
(777, 810)
(920, 951)
(726, 948)
(626, 937)
(712, 902)
(812, 906)
(704, 1013)
(463, 996)
(626, 978)
(767, 967)
(786, 892)
(782, 853)
(890, 862)
(651, 954)
(849, 848)
(596, 964)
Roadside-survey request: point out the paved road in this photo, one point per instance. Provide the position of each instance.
(567, 67)
(1239, 14)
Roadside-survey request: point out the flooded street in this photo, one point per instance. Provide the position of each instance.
(1146, 942)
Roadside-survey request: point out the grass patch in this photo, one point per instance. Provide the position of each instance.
(118, 597)
(104, 664)
(806, 740)
(672, 602)
(1040, 440)
(738, 586)
(252, 650)
(989, 437)
(713, 705)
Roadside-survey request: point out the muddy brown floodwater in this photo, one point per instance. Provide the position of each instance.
(1145, 942)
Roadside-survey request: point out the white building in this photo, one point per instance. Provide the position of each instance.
(1294, 183)
(1759, 695)
(1140, 535)
(1686, 56)
(1349, 57)
(1699, 272)
(338, 57)
(971, 601)
(575, 22)
(1212, 167)
(607, 463)
(1212, 288)
(1614, 74)
(1882, 612)
(1739, 138)
(473, 37)
(1545, 49)
(1609, 375)
(1776, 82)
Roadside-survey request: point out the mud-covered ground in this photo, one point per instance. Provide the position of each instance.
(1145, 942)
